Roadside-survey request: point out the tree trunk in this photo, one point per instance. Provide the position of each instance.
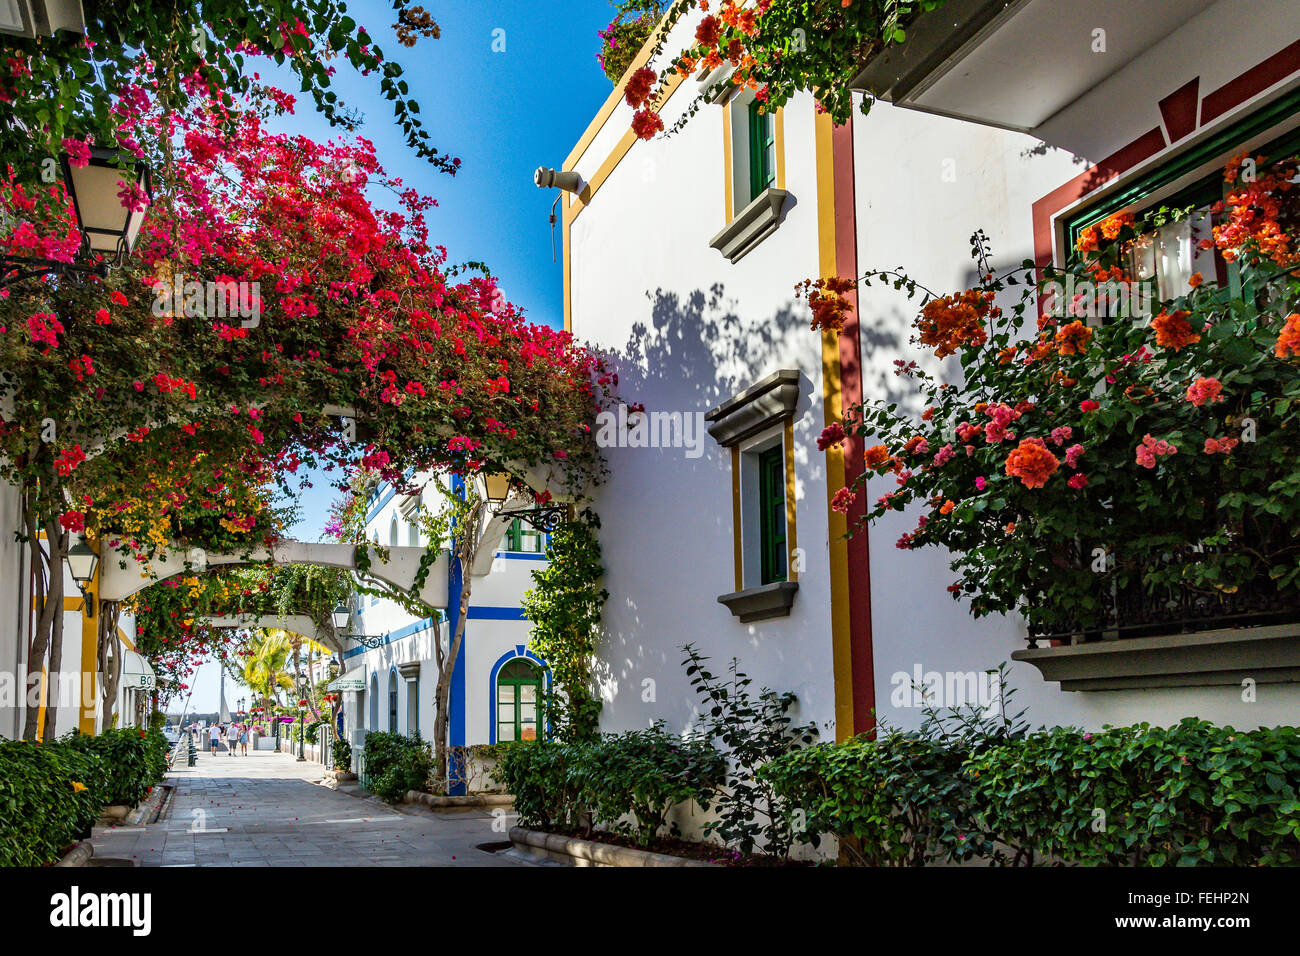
(110, 667)
(466, 547)
(58, 542)
(48, 593)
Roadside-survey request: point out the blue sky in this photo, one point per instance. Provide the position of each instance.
(504, 114)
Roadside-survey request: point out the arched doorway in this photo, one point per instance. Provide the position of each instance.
(392, 701)
(518, 700)
(373, 723)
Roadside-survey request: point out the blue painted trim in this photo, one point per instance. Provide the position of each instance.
(400, 634)
(520, 556)
(456, 705)
(519, 651)
(496, 614)
(383, 500)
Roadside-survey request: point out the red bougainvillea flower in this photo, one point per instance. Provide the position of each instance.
(708, 32)
(1073, 454)
(832, 435)
(1151, 449)
(74, 521)
(1288, 343)
(1032, 463)
(1077, 480)
(981, 483)
(1173, 331)
(639, 86)
(1073, 339)
(826, 298)
(916, 445)
(1089, 405)
(1203, 391)
(843, 500)
(645, 123)
(1220, 446)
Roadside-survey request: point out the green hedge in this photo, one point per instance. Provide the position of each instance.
(52, 793)
(1185, 795)
(342, 755)
(134, 761)
(626, 783)
(395, 763)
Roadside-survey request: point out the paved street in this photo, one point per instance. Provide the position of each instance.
(266, 809)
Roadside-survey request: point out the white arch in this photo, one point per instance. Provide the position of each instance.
(295, 623)
(117, 583)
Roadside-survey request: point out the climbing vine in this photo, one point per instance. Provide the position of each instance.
(565, 607)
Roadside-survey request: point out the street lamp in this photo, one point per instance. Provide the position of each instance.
(494, 489)
(302, 731)
(334, 667)
(96, 190)
(82, 562)
(342, 617)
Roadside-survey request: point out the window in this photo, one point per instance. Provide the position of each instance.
(392, 701)
(392, 532)
(762, 150)
(522, 538)
(771, 517)
(519, 695)
(374, 703)
(1170, 254)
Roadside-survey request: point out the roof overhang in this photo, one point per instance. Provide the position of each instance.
(1016, 63)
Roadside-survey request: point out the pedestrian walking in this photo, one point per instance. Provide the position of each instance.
(243, 740)
(214, 737)
(232, 738)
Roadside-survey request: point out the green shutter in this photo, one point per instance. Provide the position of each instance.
(762, 150)
(514, 536)
(771, 502)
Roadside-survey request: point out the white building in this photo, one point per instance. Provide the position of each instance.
(681, 255)
(497, 682)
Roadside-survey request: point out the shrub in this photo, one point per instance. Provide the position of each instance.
(644, 774)
(751, 731)
(133, 761)
(342, 755)
(640, 774)
(541, 776)
(50, 794)
(1191, 794)
(1184, 795)
(395, 764)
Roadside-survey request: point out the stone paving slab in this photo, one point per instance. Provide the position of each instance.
(268, 809)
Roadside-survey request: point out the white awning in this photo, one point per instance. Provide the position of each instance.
(136, 672)
(354, 680)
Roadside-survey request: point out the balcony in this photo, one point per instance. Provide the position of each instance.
(1173, 636)
(1016, 63)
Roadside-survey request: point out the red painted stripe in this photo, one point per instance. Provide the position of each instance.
(1178, 110)
(1254, 81)
(861, 660)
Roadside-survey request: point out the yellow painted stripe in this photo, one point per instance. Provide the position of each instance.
(728, 170)
(791, 538)
(611, 102)
(566, 217)
(738, 552)
(90, 656)
(841, 638)
(779, 139)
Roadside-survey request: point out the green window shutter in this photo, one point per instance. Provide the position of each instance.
(762, 150)
(514, 536)
(519, 702)
(771, 502)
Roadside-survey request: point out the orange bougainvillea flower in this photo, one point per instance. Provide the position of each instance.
(826, 298)
(1089, 239)
(1288, 343)
(1195, 280)
(1113, 225)
(1204, 391)
(947, 508)
(1032, 463)
(1073, 338)
(875, 456)
(1173, 331)
(952, 321)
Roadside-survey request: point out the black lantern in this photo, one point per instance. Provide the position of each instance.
(342, 617)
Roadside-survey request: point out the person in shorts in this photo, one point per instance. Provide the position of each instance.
(243, 740)
(214, 737)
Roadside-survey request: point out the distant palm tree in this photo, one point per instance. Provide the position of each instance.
(266, 668)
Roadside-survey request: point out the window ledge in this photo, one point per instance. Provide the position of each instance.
(751, 225)
(1267, 655)
(763, 602)
(769, 401)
